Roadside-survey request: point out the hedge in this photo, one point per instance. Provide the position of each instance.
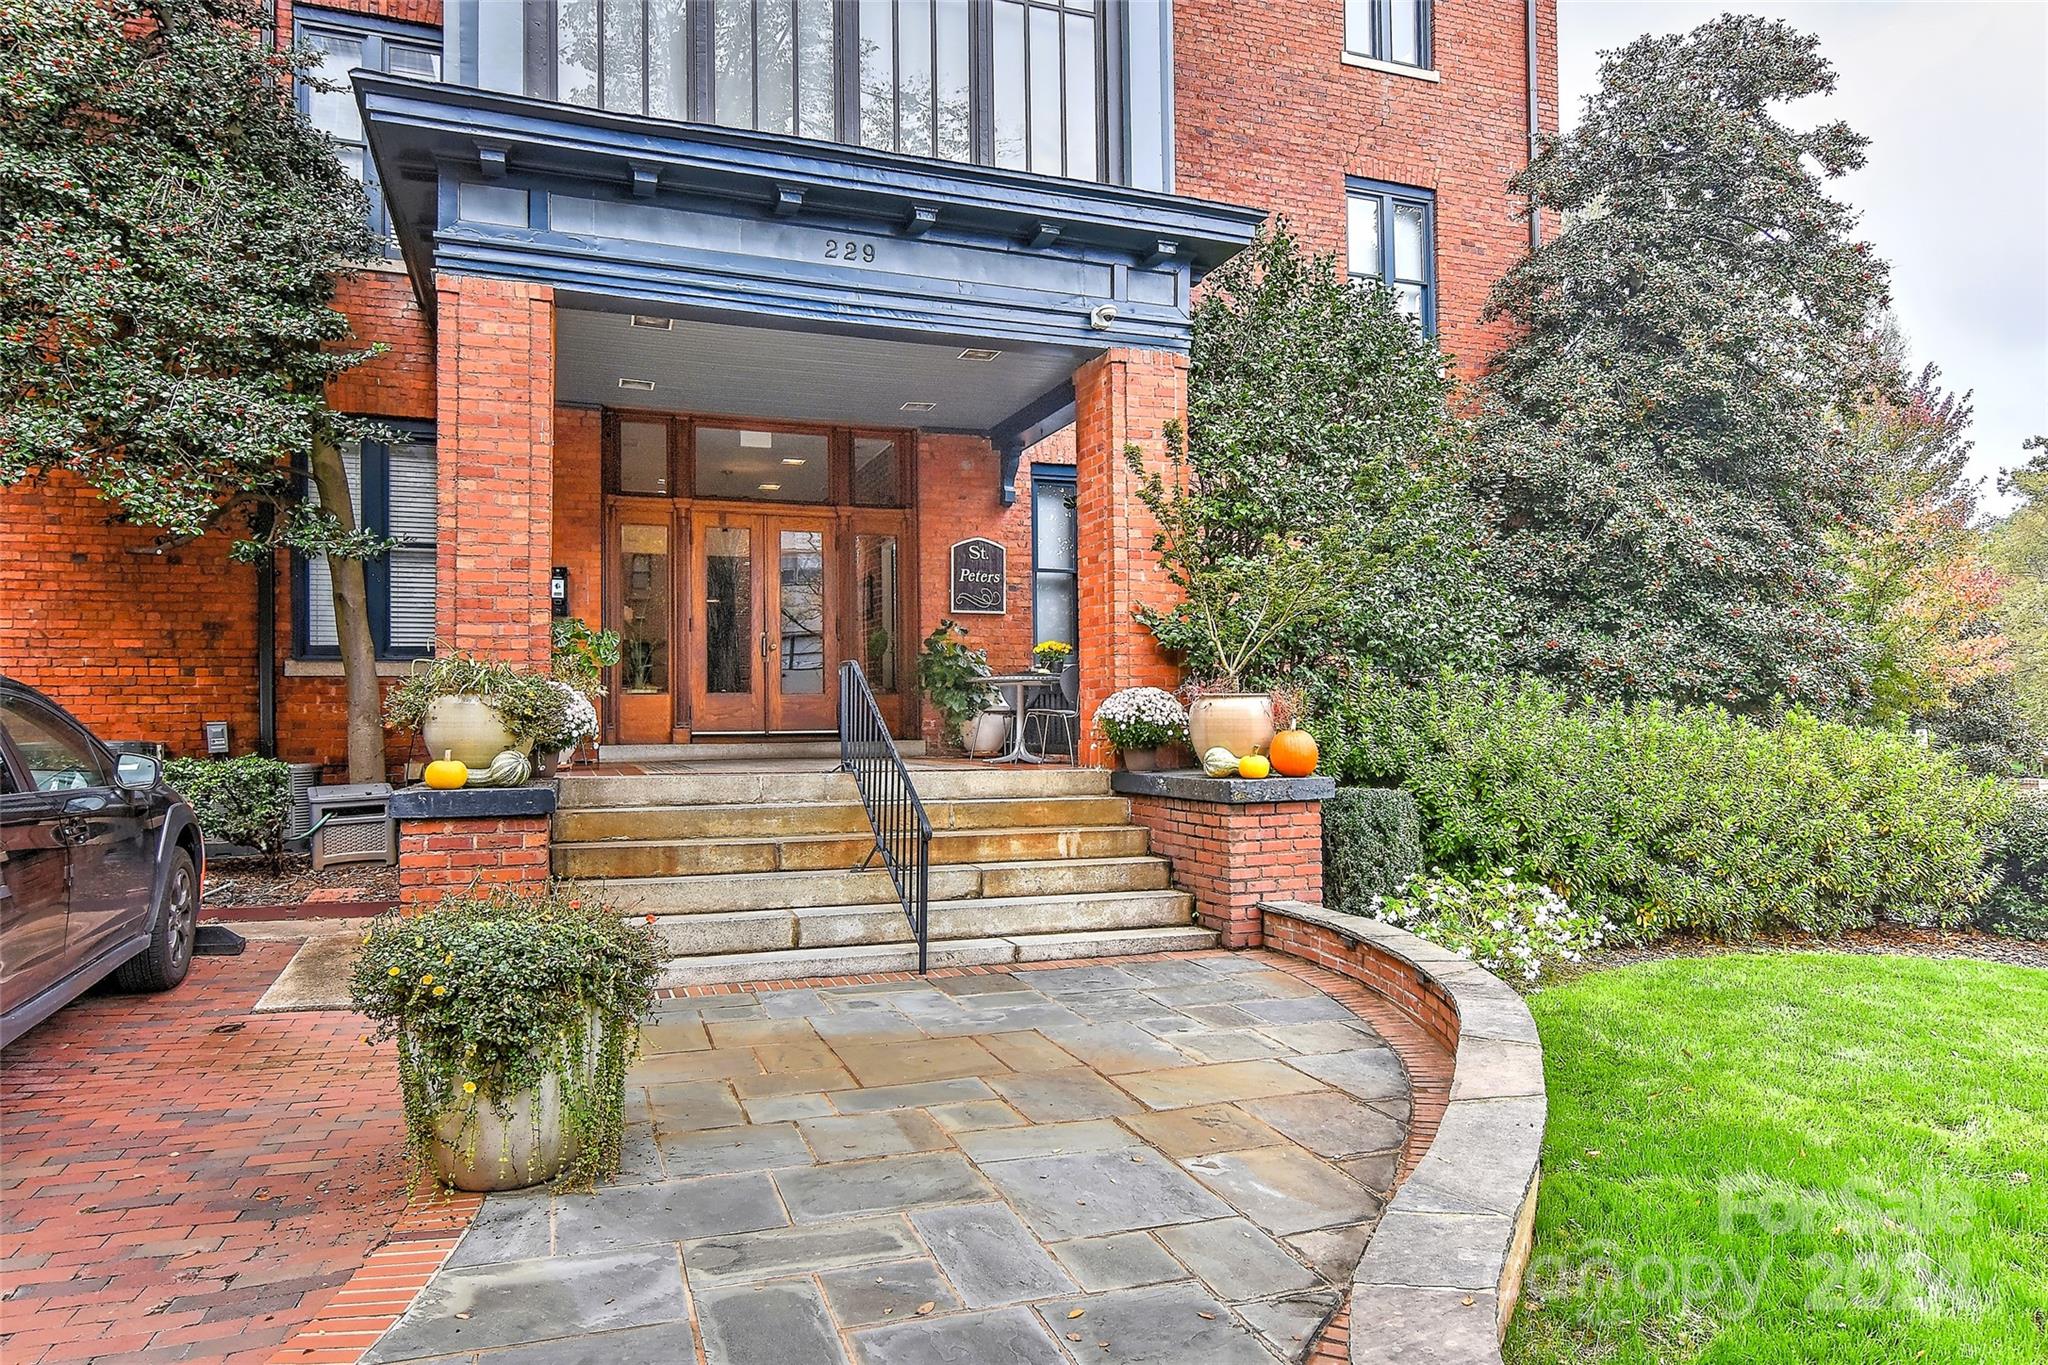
(1372, 843)
(242, 800)
(1663, 817)
(2018, 903)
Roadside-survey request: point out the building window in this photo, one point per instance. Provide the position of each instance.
(1394, 31)
(346, 43)
(1054, 574)
(395, 491)
(1390, 236)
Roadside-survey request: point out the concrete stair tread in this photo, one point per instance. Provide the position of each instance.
(802, 963)
(951, 881)
(864, 925)
(724, 841)
(607, 791)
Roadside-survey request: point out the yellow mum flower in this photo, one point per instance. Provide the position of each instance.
(450, 958)
(394, 971)
(440, 990)
(427, 980)
(469, 1087)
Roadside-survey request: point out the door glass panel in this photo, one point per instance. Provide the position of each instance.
(875, 579)
(728, 610)
(763, 466)
(801, 630)
(877, 473)
(643, 457)
(644, 608)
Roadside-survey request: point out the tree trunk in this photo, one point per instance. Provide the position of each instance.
(351, 622)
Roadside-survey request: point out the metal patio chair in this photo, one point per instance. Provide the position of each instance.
(1059, 705)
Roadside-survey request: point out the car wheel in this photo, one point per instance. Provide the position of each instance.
(168, 957)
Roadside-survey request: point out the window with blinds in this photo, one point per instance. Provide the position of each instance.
(393, 487)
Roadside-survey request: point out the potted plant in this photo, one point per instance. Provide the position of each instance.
(1236, 600)
(516, 1014)
(949, 671)
(1145, 725)
(578, 661)
(1050, 656)
(578, 722)
(474, 709)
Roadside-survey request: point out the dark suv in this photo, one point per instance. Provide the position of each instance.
(100, 865)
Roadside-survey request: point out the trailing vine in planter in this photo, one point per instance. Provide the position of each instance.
(491, 994)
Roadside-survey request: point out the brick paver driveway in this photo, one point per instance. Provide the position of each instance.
(1165, 1161)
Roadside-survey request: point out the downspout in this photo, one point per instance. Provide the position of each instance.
(266, 656)
(1535, 120)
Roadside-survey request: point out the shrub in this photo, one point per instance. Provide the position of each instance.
(244, 800)
(1662, 817)
(1506, 926)
(949, 671)
(488, 993)
(2018, 903)
(1372, 845)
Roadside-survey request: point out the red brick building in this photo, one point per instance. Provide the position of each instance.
(738, 329)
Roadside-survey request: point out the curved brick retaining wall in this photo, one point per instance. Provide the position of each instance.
(1439, 1279)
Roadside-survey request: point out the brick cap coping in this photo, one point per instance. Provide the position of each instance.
(1456, 1233)
(1192, 784)
(473, 803)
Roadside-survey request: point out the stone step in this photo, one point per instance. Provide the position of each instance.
(739, 750)
(855, 926)
(720, 893)
(795, 964)
(674, 859)
(642, 823)
(587, 791)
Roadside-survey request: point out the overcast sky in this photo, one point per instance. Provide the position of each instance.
(1955, 194)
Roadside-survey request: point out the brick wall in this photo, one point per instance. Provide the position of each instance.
(439, 858)
(578, 524)
(1406, 987)
(1267, 113)
(1232, 857)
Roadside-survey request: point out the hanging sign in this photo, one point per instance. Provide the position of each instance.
(977, 578)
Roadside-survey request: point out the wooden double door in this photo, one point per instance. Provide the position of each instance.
(764, 638)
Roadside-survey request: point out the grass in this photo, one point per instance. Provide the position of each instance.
(1799, 1157)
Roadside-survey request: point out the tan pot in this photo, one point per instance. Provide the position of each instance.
(528, 1144)
(1241, 722)
(988, 733)
(468, 728)
(1139, 760)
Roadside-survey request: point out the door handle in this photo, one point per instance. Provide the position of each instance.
(71, 831)
(764, 645)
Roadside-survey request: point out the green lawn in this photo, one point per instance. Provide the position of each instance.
(1796, 1157)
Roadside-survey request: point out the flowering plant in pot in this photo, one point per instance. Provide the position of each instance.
(475, 709)
(1050, 656)
(1140, 722)
(516, 1014)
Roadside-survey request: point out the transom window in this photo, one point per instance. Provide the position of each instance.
(1390, 236)
(725, 460)
(394, 486)
(346, 43)
(1394, 31)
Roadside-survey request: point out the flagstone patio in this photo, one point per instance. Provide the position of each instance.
(1167, 1160)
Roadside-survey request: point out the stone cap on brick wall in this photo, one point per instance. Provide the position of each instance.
(1192, 784)
(473, 803)
(1456, 1235)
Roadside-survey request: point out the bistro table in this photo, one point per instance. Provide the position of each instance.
(1015, 685)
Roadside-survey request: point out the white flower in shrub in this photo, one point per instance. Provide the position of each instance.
(1142, 718)
(1504, 925)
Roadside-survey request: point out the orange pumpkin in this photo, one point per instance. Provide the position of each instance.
(1294, 753)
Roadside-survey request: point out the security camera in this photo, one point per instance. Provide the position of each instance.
(1102, 316)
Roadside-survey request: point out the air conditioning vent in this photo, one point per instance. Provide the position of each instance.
(637, 385)
(654, 324)
(981, 353)
(918, 406)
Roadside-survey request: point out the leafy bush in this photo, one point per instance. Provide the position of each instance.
(244, 800)
(949, 670)
(579, 655)
(1662, 817)
(490, 992)
(1506, 926)
(1372, 844)
(2018, 903)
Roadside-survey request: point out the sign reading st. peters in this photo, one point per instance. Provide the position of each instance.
(977, 578)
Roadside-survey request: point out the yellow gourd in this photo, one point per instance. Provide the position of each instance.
(1254, 765)
(446, 773)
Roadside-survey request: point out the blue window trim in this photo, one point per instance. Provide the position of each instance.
(1066, 476)
(1388, 195)
(1383, 34)
(373, 32)
(375, 472)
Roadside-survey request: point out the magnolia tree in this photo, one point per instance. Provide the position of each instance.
(171, 232)
(1664, 459)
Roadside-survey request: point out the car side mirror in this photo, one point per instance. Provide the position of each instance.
(137, 772)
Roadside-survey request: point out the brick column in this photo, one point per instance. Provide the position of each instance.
(1121, 396)
(481, 838)
(1235, 843)
(495, 363)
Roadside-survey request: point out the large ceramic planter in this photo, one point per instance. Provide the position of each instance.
(988, 733)
(468, 728)
(1241, 722)
(481, 1149)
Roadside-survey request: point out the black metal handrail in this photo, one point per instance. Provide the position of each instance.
(903, 832)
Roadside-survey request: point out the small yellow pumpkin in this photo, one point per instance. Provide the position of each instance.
(446, 773)
(1254, 765)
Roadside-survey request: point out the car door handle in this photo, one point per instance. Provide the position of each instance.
(72, 831)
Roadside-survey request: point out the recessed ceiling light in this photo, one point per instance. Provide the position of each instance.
(918, 405)
(757, 440)
(794, 461)
(770, 487)
(637, 385)
(979, 353)
(653, 324)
